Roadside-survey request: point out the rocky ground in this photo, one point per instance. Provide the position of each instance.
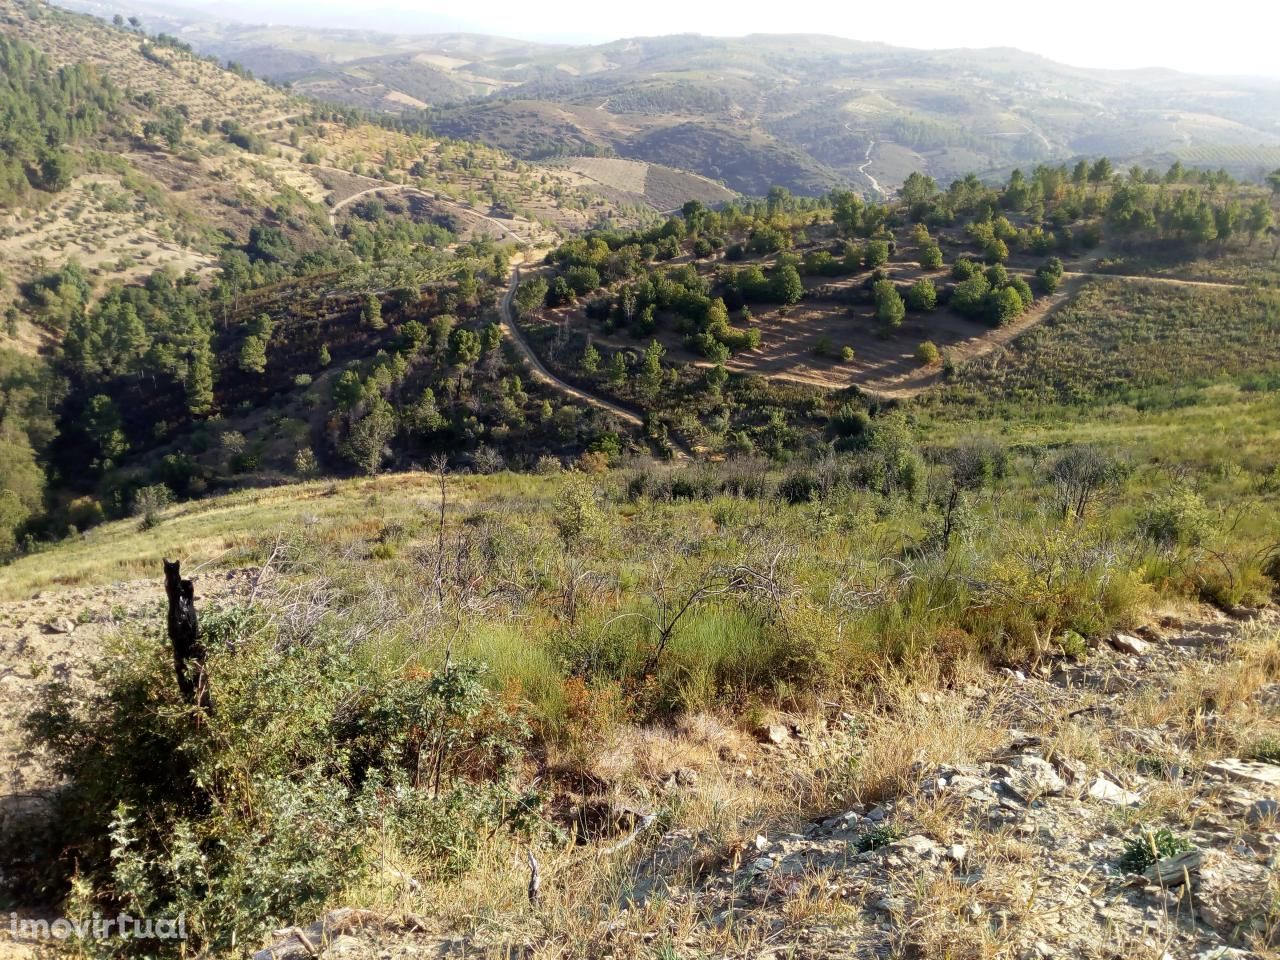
(1017, 848)
(57, 634)
(1020, 853)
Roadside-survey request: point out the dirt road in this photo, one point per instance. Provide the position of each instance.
(542, 374)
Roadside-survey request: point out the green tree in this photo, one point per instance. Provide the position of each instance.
(198, 384)
(1101, 171)
(104, 431)
(1049, 274)
(889, 306)
(366, 443)
(464, 347)
(650, 376)
(590, 359)
(530, 295)
(876, 254)
(617, 369)
(1259, 220)
(930, 256)
(253, 355)
(969, 295)
(323, 358)
(371, 313)
(922, 296)
(786, 286)
(1003, 306)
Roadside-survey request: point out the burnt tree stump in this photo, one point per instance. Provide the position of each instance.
(184, 637)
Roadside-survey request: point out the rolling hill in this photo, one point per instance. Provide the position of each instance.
(802, 111)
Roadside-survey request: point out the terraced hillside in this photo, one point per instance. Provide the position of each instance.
(807, 112)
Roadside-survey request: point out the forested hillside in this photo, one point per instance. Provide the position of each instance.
(185, 246)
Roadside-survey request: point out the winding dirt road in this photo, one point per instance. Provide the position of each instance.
(875, 184)
(434, 198)
(542, 374)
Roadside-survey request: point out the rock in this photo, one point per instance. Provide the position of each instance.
(762, 865)
(1263, 811)
(1232, 895)
(1108, 792)
(1173, 871)
(1250, 771)
(346, 945)
(1031, 777)
(775, 733)
(60, 625)
(909, 851)
(957, 853)
(1072, 771)
(877, 813)
(1127, 643)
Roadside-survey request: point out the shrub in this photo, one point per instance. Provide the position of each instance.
(149, 501)
(922, 296)
(1178, 517)
(1266, 750)
(846, 354)
(927, 353)
(248, 817)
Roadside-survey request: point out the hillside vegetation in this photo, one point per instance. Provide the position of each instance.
(588, 560)
(188, 251)
(807, 112)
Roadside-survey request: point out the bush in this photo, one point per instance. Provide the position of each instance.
(1178, 517)
(927, 353)
(922, 296)
(149, 501)
(252, 816)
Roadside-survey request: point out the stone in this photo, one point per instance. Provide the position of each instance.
(1127, 643)
(60, 625)
(1173, 871)
(1072, 771)
(909, 851)
(762, 865)
(1108, 792)
(1232, 895)
(346, 945)
(1249, 771)
(1263, 811)
(775, 733)
(1031, 777)
(957, 853)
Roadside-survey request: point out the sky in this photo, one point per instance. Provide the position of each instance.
(1224, 37)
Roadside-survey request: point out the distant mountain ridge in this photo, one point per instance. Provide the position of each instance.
(808, 112)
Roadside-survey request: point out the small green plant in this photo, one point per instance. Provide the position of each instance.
(1145, 849)
(1266, 750)
(877, 837)
(1072, 644)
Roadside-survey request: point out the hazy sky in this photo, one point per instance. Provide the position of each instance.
(1224, 36)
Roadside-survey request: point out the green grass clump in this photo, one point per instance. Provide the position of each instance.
(1266, 750)
(1142, 851)
(877, 838)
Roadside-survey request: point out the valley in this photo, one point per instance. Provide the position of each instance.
(773, 496)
